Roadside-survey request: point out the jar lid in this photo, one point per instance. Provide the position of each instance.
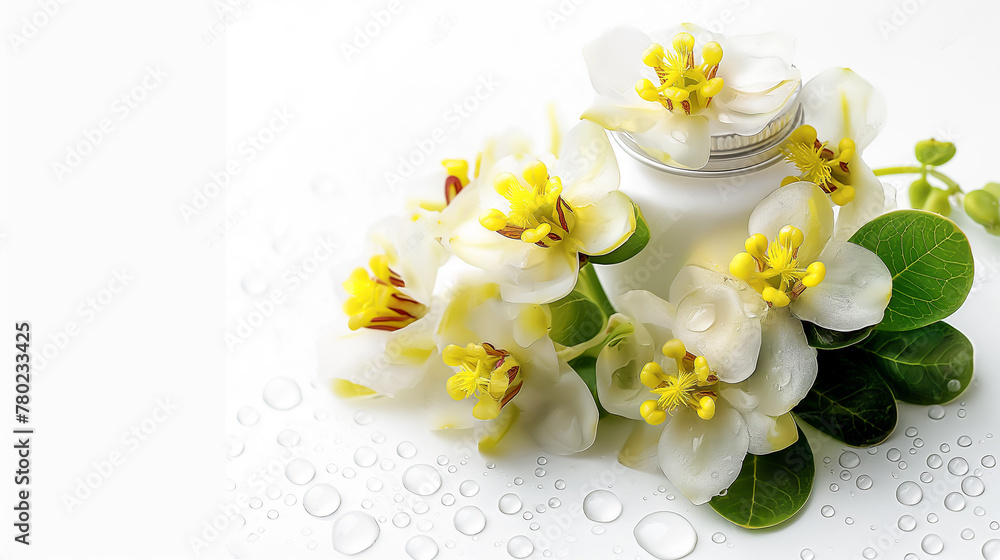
(732, 154)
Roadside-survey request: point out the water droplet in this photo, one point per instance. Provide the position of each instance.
(401, 519)
(422, 480)
(363, 417)
(678, 135)
(945, 448)
(518, 481)
(299, 471)
(849, 459)
(234, 446)
(665, 535)
(909, 493)
(995, 525)
(255, 503)
(248, 416)
(554, 502)
(807, 554)
(272, 492)
(849, 520)
(954, 385)
(468, 488)
(827, 511)
(527, 516)
(602, 506)
(989, 461)
(973, 486)
(979, 511)
(406, 449)
(509, 504)
(991, 549)
(374, 484)
(961, 413)
(917, 442)
(354, 532)
(448, 499)
(453, 469)
(968, 534)
(539, 472)
(272, 514)
(926, 477)
(911, 431)
(701, 317)
(958, 466)
(386, 464)
(911, 556)
(954, 501)
(901, 465)
(425, 525)
(365, 456)
(934, 461)
(834, 487)
(282, 393)
(348, 472)
(906, 523)
(718, 538)
(893, 454)
(935, 412)
(469, 520)
(288, 438)
(872, 450)
(869, 553)
(864, 482)
(561, 484)
(845, 475)
(367, 504)
(421, 547)
(540, 508)
(520, 546)
(932, 544)
(964, 441)
(442, 460)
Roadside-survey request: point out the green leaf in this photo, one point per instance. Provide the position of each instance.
(770, 488)
(586, 367)
(575, 319)
(849, 401)
(930, 365)
(934, 152)
(931, 265)
(635, 243)
(827, 339)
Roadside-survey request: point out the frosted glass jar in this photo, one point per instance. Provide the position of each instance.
(684, 206)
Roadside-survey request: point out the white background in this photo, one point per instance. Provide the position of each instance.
(348, 118)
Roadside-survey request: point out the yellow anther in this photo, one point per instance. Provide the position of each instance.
(821, 165)
(674, 348)
(683, 42)
(815, 274)
(457, 168)
(653, 56)
(536, 173)
(493, 220)
(374, 300)
(706, 408)
(756, 245)
(790, 236)
(789, 180)
(505, 184)
(647, 90)
(487, 373)
(743, 266)
(538, 214)
(684, 85)
(711, 53)
(842, 195)
(846, 148)
(535, 235)
(701, 368)
(711, 88)
(775, 297)
(650, 374)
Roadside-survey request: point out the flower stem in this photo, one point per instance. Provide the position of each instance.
(590, 286)
(923, 171)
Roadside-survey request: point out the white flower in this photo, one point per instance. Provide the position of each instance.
(843, 114)
(503, 371)
(713, 381)
(671, 96)
(389, 312)
(527, 220)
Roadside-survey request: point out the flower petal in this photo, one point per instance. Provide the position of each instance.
(869, 201)
(636, 117)
(755, 63)
(561, 416)
(801, 204)
(587, 165)
(614, 61)
(841, 104)
(680, 139)
(605, 224)
(549, 275)
(657, 315)
(854, 293)
(711, 322)
(639, 450)
(618, 368)
(769, 434)
(412, 252)
(703, 457)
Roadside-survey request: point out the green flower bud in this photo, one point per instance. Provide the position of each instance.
(919, 190)
(993, 188)
(983, 207)
(937, 201)
(932, 152)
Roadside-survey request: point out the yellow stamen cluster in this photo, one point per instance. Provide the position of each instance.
(375, 302)
(682, 84)
(693, 386)
(458, 176)
(538, 214)
(487, 373)
(774, 270)
(819, 164)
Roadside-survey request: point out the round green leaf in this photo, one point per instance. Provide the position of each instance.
(931, 265)
(635, 243)
(849, 401)
(575, 319)
(930, 365)
(770, 488)
(934, 152)
(827, 339)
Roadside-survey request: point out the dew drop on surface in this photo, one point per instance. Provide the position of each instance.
(932, 544)
(509, 504)
(386, 464)
(926, 477)
(911, 431)
(282, 393)
(520, 546)
(468, 488)
(373, 484)
(363, 417)
(365, 456)
(540, 508)
(869, 553)
(945, 448)
(300, 471)
(827, 511)
(452, 469)
(849, 520)
(995, 525)
(701, 318)
(932, 518)
(909, 493)
(935, 412)
(234, 446)
(602, 506)
(401, 519)
(849, 459)
(448, 499)
(958, 466)
(902, 465)
(518, 481)
(354, 532)
(973, 486)
(906, 523)
(425, 525)
(442, 460)
(348, 472)
(979, 511)
(255, 503)
(539, 472)
(272, 492)
(527, 515)
(421, 547)
(406, 449)
(248, 416)
(421, 507)
(598, 530)
(807, 554)
(917, 442)
(872, 450)
(422, 480)
(989, 461)
(718, 538)
(367, 504)
(954, 385)
(554, 502)
(864, 482)
(272, 514)
(934, 461)
(968, 534)
(964, 441)
(845, 475)
(469, 520)
(893, 454)
(665, 535)
(991, 549)
(288, 438)
(290, 500)
(961, 413)
(954, 501)
(834, 487)
(561, 484)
